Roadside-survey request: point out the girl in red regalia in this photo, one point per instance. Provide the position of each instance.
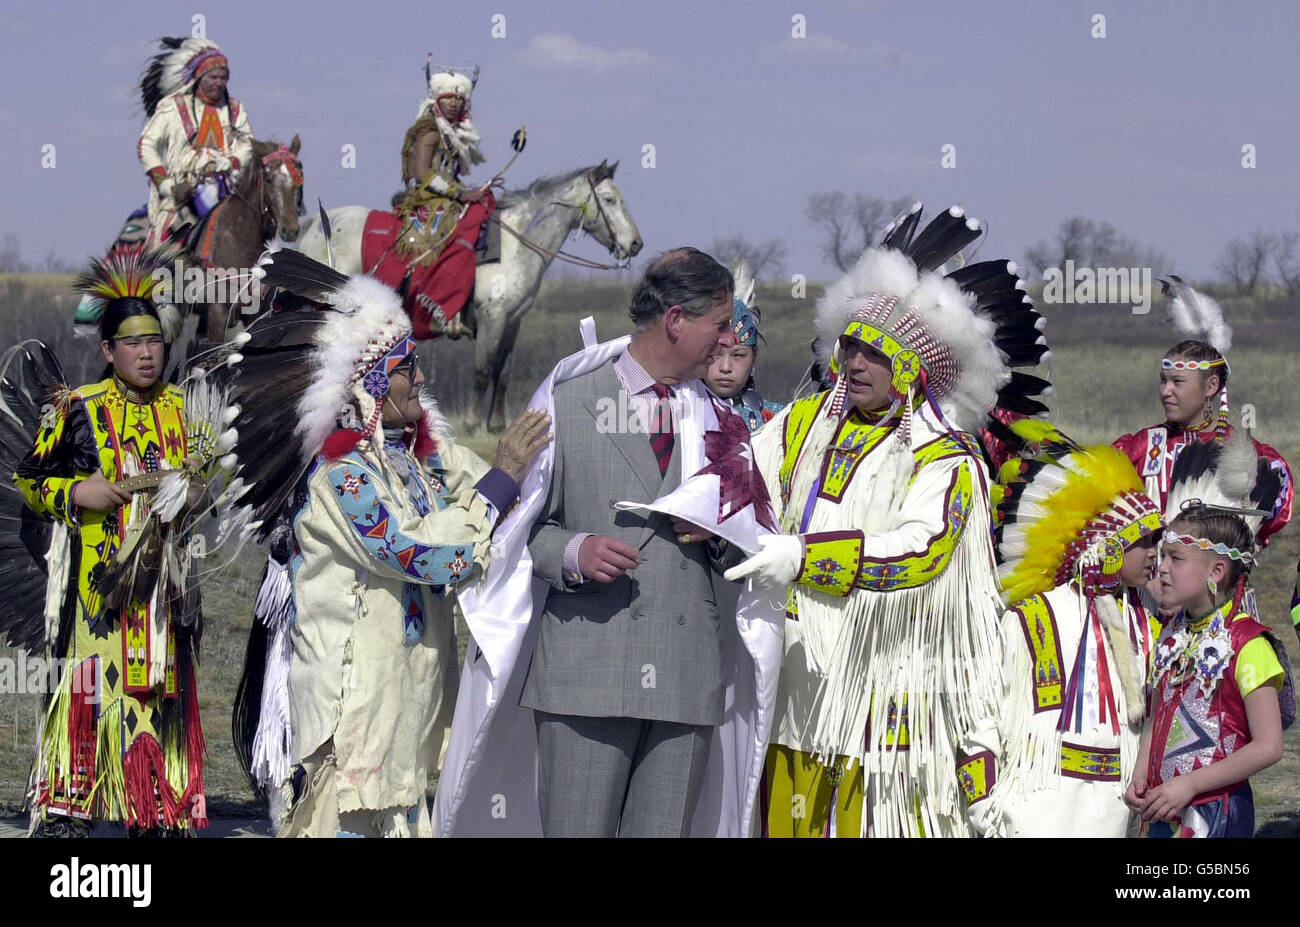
(1193, 373)
(1219, 689)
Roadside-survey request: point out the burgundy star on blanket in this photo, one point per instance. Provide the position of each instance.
(731, 458)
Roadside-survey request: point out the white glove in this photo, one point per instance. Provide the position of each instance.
(166, 187)
(775, 565)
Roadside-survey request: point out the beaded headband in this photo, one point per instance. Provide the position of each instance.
(211, 57)
(1111, 532)
(907, 344)
(1167, 364)
(373, 373)
(1223, 550)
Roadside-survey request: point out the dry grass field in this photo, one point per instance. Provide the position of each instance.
(1104, 365)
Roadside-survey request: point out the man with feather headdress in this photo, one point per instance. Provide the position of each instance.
(885, 559)
(121, 739)
(381, 515)
(197, 139)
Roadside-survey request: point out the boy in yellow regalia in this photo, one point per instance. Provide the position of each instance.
(121, 739)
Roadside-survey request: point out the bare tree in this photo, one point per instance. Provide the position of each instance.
(53, 264)
(1285, 264)
(765, 259)
(11, 261)
(830, 213)
(1245, 263)
(849, 224)
(1075, 238)
(1089, 244)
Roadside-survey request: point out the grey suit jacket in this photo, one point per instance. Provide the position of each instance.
(648, 644)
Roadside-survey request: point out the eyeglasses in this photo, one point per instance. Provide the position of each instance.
(406, 367)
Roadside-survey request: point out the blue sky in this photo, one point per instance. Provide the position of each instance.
(1143, 128)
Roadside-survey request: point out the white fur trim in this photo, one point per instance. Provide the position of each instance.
(462, 137)
(441, 82)
(434, 420)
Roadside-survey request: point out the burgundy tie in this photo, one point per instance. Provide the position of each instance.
(661, 427)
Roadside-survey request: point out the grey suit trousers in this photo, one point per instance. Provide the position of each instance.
(625, 777)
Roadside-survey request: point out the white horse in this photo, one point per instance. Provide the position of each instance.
(546, 213)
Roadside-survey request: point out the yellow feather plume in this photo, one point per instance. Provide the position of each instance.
(1040, 431)
(1096, 476)
(127, 270)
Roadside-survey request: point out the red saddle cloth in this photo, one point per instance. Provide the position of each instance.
(435, 292)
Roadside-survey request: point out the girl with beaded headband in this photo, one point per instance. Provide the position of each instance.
(1220, 686)
(885, 560)
(731, 372)
(1192, 374)
(1076, 537)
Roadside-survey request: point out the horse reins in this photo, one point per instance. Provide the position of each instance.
(560, 254)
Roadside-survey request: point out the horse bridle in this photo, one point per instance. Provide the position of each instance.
(282, 156)
(600, 212)
(623, 261)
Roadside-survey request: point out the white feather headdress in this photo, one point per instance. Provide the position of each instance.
(1197, 316)
(310, 377)
(367, 326)
(745, 285)
(967, 328)
(1229, 475)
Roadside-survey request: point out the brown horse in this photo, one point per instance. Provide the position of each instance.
(265, 204)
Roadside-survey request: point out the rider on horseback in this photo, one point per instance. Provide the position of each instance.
(436, 206)
(197, 139)
(442, 144)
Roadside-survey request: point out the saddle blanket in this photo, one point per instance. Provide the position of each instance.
(432, 294)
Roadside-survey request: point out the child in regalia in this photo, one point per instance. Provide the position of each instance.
(121, 739)
(731, 372)
(1193, 378)
(1219, 688)
(1077, 537)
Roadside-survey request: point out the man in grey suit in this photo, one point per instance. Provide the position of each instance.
(626, 681)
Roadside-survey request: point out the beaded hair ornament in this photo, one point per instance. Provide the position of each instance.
(1223, 550)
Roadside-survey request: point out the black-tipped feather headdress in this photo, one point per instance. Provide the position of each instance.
(956, 337)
